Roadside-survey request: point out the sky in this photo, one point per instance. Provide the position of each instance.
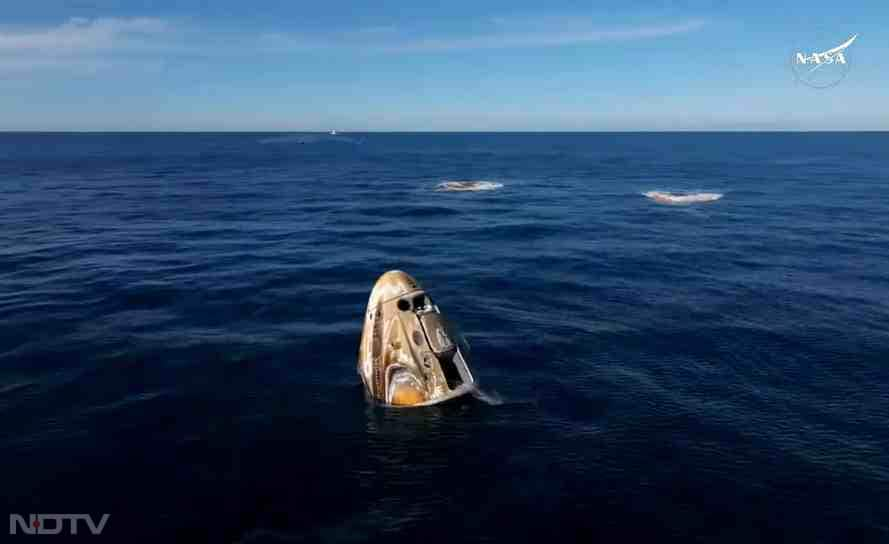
(403, 65)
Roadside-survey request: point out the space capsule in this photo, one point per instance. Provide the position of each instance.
(409, 355)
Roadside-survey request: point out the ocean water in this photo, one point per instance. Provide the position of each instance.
(180, 316)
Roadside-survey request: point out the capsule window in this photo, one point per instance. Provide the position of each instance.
(420, 302)
(449, 369)
(404, 305)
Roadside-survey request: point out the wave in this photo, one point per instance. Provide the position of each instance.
(664, 197)
(456, 186)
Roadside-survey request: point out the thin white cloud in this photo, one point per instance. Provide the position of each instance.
(78, 35)
(99, 44)
(75, 67)
(499, 33)
(283, 42)
(376, 30)
(352, 39)
(17, 66)
(545, 38)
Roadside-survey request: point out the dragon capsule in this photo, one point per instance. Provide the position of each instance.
(408, 354)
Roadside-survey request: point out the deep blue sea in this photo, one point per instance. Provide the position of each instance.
(180, 317)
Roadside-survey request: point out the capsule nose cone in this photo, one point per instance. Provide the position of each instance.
(393, 283)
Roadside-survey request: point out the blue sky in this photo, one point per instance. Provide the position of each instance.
(457, 65)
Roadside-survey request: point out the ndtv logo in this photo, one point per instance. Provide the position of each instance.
(37, 523)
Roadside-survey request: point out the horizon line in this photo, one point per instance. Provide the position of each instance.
(629, 131)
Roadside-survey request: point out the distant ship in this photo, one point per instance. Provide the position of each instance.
(333, 133)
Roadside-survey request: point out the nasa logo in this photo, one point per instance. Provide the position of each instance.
(822, 69)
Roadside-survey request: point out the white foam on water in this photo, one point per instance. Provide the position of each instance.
(491, 398)
(457, 186)
(664, 197)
